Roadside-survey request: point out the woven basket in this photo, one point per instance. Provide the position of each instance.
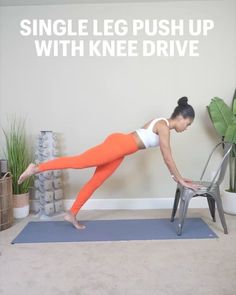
(6, 202)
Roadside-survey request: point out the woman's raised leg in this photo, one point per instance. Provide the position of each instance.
(114, 146)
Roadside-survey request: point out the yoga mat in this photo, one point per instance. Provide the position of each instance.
(113, 230)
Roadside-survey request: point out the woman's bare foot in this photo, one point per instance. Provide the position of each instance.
(72, 219)
(30, 170)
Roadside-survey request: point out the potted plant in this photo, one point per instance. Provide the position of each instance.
(19, 156)
(224, 120)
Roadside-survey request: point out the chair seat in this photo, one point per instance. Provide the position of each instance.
(205, 185)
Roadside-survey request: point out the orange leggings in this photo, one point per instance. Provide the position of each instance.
(107, 156)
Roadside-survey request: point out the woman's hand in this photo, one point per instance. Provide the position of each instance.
(188, 183)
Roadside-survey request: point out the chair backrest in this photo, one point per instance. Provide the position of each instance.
(220, 172)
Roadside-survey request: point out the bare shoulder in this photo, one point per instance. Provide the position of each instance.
(161, 126)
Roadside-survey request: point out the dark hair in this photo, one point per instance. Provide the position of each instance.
(184, 109)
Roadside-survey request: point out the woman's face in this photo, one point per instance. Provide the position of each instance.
(182, 123)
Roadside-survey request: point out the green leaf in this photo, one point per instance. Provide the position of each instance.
(18, 153)
(221, 115)
(234, 103)
(230, 134)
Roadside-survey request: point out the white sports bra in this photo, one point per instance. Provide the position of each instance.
(148, 137)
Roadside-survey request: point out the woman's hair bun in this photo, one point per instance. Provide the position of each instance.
(183, 101)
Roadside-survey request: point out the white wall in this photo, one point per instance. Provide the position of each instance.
(85, 99)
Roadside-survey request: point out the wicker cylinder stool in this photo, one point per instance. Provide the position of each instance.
(6, 202)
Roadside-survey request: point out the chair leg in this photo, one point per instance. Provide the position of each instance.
(182, 213)
(211, 204)
(180, 222)
(221, 212)
(175, 206)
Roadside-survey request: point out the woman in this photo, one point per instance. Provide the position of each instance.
(108, 155)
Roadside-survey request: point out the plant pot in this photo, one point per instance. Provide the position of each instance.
(21, 205)
(229, 202)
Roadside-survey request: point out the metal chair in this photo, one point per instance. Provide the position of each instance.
(210, 189)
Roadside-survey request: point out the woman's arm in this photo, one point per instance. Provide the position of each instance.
(164, 135)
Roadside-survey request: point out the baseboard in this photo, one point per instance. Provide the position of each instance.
(135, 204)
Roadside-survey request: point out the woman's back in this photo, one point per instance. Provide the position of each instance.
(148, 133)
